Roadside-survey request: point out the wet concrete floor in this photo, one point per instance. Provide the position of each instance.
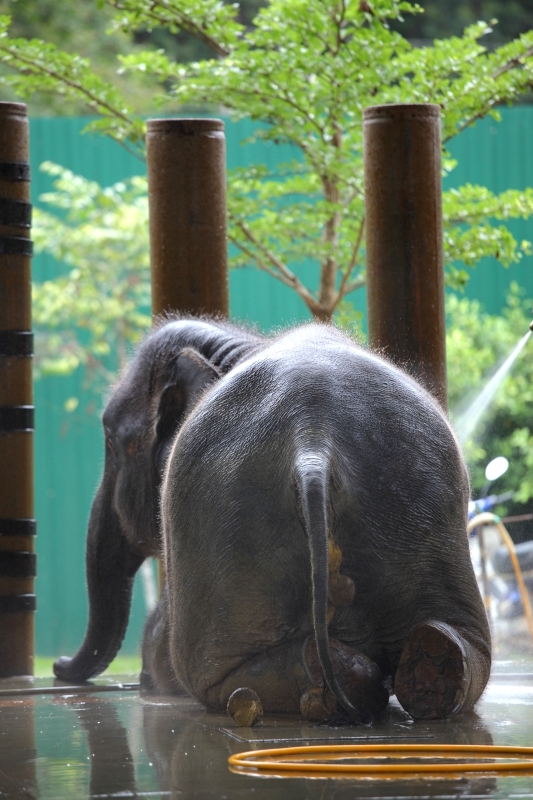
(107, 742)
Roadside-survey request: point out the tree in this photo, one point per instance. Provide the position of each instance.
(65, 24)
(306, 70)
(84, 317)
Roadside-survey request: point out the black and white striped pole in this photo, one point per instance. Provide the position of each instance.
(17, 526)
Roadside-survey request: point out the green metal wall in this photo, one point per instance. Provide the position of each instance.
(498, 155)
(69, 445)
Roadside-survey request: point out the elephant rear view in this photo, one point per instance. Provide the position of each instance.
(314, 514)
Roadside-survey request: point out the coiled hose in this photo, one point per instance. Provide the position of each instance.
(309, 761)
(487, 518)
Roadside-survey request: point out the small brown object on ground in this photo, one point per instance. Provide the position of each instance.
(245, 707)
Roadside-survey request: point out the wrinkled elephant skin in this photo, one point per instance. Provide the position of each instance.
(312, 468)
(170, 373)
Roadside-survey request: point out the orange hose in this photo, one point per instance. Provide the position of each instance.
(304, 758)
(487, 518)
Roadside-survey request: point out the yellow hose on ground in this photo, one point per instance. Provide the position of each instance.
(304, 759)
(487, 518)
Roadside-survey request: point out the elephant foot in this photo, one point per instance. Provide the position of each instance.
(358, 676)
(146, 683)
(245, 707)
(433, 676)
(318, 705)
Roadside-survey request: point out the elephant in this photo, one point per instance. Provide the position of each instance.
(314, 510)
(167, 377)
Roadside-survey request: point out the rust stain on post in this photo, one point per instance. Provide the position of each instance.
(17, 526)
(187, 201)
(186, 161)
(405, 260)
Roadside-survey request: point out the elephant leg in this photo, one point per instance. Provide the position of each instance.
(440, 672)
(157, 673)
(288, 680)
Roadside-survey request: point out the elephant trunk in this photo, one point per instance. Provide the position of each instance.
(111, 566)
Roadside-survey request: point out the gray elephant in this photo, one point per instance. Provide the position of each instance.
(314, 511)
(170, 372)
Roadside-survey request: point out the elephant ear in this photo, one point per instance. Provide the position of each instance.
(193, 374)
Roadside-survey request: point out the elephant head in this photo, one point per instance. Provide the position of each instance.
(173, 368)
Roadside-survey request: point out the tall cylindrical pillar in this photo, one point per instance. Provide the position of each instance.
(405, 272)
(187, 199)
(17, 526)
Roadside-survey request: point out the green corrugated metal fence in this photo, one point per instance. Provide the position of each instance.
(499, 156)
(69, 445)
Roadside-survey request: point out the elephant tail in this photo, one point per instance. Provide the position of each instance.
(312, 478)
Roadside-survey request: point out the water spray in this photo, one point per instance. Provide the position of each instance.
(470, 418)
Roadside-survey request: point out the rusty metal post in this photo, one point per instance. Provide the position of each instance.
(186, 161)
(187, 200)
(405, 272)
(17, 526)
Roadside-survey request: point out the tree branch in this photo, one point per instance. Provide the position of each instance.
(259, 261)
(283, 99)
(351, 197)
(353, 261)
(180, 21)
(281, 271)
(357, 283)
(511, 64)
(468, 122)
(266, 251)
(92, 100)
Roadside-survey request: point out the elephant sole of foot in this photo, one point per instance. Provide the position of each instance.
(359, 678)
(433, 676)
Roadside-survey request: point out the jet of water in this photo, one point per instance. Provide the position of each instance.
(469, 419)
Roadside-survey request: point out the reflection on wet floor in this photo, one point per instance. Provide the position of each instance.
(117, 744)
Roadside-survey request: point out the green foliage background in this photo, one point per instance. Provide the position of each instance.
(305, 69)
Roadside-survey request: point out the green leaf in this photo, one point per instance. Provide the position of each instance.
(42, 67)
(100, 302)
(305, 71)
